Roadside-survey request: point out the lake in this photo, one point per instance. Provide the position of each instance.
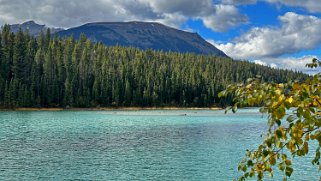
(131, 145)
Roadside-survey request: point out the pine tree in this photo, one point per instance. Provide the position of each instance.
(19, 66)
(49, 72)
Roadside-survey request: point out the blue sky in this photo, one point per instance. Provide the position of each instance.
(261, 14)
(276, 33)
(265, 15)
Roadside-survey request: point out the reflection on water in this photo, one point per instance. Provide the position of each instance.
(128, 145)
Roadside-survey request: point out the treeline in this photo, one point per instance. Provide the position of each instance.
(55, 72)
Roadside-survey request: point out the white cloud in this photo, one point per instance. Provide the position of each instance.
(310, 5)
(291, 63)
(266, 63)
(226, 16)
(173, 20)
(218, 17)
(184, 7)
(238, 2)
(297, 33)
(268, 45)
(62, 13)
(260, 62)
(273, 65)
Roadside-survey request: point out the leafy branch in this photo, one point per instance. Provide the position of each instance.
(287, 131)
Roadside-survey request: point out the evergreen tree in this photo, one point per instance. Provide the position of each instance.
(50, 72)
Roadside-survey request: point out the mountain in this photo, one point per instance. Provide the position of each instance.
(144, 35)
(33, 28)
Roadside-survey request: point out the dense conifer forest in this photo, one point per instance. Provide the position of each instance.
(46, 71)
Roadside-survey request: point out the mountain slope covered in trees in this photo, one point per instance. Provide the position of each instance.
(53, 72)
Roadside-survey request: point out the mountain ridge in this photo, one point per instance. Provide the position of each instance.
(144, 35)
(33, 28)
(138, 34)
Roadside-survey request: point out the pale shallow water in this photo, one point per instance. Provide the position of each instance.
(131, 145)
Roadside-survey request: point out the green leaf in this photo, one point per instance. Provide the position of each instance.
(290, 118)
(288, 171)
(222, 93)
(281, 166)
(234, 109)
(265, 153)
(278, 133)
(263, 110)
(227, 109)
(299, 112)
(244, 168)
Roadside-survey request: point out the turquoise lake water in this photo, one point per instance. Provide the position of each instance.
(131, 145)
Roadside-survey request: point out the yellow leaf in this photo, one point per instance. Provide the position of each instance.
(289, 100)
(296, 86)
(272, 159)
(288, 162)
(278, 92)
(312, 136)
(305, 147)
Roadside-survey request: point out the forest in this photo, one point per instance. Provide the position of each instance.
(47, 71)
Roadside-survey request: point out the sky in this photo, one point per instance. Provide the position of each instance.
(276, 33)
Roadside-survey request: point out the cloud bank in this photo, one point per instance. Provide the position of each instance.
(297, 33)
(62, 13)
(313, 6)
(292, 63)
(265, 45)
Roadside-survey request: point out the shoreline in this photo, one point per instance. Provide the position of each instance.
(110, 109)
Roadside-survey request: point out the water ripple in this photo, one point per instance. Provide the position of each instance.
(129, 145)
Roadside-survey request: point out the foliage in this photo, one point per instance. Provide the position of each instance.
(294, 122)
(45, 71)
